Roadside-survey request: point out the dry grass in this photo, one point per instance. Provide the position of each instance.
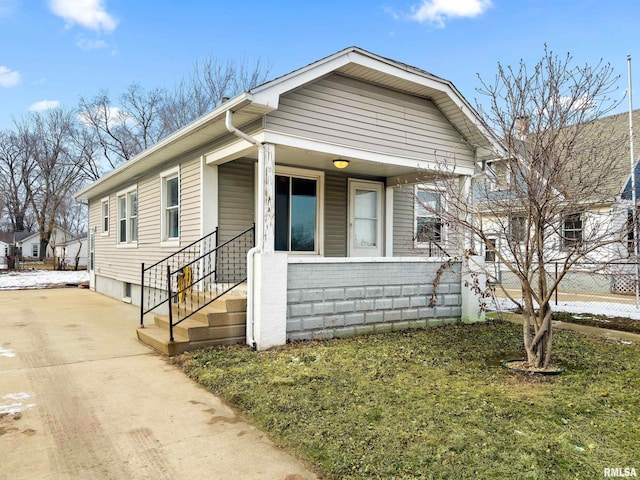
(436, 403)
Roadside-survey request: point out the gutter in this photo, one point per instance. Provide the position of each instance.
(259, 243)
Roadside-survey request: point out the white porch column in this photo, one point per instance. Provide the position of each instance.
(269, 279)
(466, 193)
(388, 222)
(268, 151)
(270, 299)
(474, 284)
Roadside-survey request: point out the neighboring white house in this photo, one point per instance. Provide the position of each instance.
(30, 244)
(73, 253)
(323, 161)
(606, 207)
(4, 251)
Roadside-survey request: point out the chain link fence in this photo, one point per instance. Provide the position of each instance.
(598, 289)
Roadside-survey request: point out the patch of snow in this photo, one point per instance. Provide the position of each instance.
(6, 352)
(22, 280)
(11, 403)
(607, 309)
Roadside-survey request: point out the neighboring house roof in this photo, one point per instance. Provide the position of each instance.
(73, 240)
(603, 144)
(599, 145)
(20, 236)
(353, 62)
(25, 236)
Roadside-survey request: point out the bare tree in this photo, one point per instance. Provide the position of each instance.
(124, 131)
(16, 174)
(58, 167)
(209, 82)
(550, 198)
(117, 131)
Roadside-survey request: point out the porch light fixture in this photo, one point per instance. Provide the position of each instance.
(339, 163)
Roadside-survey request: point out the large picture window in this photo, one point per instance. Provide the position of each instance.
(428, 221)
(127, 209)
(298, 215)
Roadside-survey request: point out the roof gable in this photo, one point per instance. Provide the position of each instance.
(352, 62)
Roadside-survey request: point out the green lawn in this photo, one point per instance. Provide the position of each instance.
(436, 403)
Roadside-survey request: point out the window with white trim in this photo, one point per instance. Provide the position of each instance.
(490, 250)
(35, 250)
(170, 191)
(429, 227)
(517, 228)
(127, 210)
(298, 210)
(572, 230)
(104, 210)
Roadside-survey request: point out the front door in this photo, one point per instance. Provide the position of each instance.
(365, 219)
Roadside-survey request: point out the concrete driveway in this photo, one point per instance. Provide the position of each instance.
(80, 398)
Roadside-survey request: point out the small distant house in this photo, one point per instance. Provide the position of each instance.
(327, 162)
(29, 243)
(4, 250)
(72, 253)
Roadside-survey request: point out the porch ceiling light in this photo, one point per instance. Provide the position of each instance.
(339, 163)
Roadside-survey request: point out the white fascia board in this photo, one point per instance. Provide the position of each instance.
(358, 153)
(234, 104)
(236, 149)
(269, 93)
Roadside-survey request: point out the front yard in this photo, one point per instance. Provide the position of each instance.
(436, 403)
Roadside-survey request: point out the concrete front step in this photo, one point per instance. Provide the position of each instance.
(158, 339)
(229, 302)
(230, 325)
(223, 322)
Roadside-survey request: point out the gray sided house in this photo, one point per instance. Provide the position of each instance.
(253, 195)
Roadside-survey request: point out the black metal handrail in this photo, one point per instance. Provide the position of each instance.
(194, 276)
(153, 286)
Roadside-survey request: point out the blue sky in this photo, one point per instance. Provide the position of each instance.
(54, 51)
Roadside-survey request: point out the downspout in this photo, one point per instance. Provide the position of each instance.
(259, 224)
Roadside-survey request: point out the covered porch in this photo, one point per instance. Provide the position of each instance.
(338, 250)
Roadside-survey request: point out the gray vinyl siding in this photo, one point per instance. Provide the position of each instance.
(236, 202)
(403, 222)
(335, 214)
(123, 263)
(235, 197)
(353, 113)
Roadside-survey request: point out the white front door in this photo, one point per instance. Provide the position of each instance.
(365, 219)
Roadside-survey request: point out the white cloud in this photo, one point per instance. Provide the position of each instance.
(437, 11)
(89, 44)
(8, 78)
(44, 105)
(90, 14)
(115, 117)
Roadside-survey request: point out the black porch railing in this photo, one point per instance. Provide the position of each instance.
(195, 276)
